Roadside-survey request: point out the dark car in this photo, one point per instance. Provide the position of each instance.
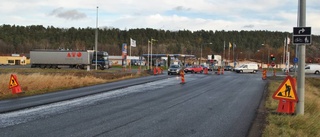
(174, 69)
(228, 68)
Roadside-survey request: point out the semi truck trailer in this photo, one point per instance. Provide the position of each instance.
(72, 59)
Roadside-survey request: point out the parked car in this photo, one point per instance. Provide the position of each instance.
(312, 68)
(228, 68)
(193, 69)
(174, 69)
(291, 69)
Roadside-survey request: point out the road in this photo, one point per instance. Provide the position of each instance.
(206, 105)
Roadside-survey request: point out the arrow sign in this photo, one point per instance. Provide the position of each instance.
(301, 31)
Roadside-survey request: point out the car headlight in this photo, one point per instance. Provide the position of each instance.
(177, 70)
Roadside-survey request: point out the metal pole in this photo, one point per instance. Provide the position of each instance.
(224, 52)
(96, 40)
(288, 55)
(268, 57)
(284, 51)
(200, 55)
(301, 61)
(130, 56)
(151, 53)
(234, 62)
(148, 55)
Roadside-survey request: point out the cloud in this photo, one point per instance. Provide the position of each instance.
(181, 8)
(248, 26)
(67, 14)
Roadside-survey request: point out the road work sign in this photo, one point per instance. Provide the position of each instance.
(13, 82)
(287, 90)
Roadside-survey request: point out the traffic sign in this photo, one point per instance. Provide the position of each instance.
(287, 90)
(273, 64)
(301, 31)
(301, 35)
(13, 81)
(295, 60)
(301, 39)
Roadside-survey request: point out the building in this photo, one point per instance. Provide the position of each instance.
(14, 59)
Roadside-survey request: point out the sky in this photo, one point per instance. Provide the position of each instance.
(173, 15)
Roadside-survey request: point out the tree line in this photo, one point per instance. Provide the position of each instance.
(248, 44)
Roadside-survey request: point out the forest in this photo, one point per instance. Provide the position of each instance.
(16, 39)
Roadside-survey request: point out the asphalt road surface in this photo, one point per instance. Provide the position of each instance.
(206, 105)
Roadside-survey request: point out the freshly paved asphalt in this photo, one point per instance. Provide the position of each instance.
(206, 105)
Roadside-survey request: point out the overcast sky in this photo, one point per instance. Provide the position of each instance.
(271, 15)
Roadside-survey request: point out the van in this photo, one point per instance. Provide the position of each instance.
(312, 68)
(252, 68)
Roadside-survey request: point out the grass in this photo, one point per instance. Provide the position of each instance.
(40, 81)
(306, 125)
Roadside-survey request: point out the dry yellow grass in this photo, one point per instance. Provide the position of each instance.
(39, 81)
(306, 125)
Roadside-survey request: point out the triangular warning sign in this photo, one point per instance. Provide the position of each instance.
(13, 82)
(287, 90)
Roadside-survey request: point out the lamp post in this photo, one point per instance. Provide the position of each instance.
(267, 55)
(201, 51)
(96, 40)
(151, 49)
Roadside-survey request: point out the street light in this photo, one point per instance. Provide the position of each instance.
(96, 40)
(261, 57)
(201, 51)
(151, 49)
(267, 55)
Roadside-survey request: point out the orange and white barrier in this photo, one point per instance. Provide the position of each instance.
(182, 77)
(264, 74)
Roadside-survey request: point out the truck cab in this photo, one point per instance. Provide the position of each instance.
(102, 60)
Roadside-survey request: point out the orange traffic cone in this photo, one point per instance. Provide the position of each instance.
(205, 70)
(264, 74)
(154, 71)
(182, 77)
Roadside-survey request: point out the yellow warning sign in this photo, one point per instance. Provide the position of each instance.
(13, 82)
(287, 90)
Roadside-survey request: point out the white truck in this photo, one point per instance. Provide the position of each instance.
(214, 62)
(251, 68)
(72, 59)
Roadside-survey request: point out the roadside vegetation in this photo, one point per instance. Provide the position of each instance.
(284, 125)
(40, 81)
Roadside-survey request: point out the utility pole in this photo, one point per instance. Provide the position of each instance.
(301, 61)
(96, 40)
